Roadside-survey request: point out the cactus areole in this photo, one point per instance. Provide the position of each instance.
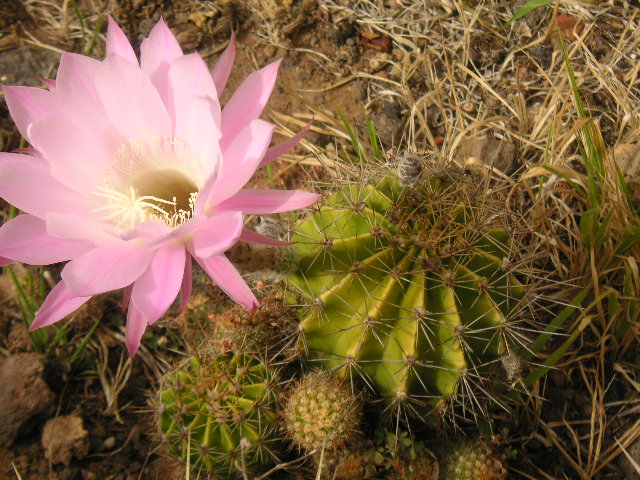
(407, 289)
(217, 413)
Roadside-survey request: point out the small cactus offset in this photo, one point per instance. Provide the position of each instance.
(320, 412)
(217, 413)
(407, 282)
(271, 328)
(472, 461)
(392, 457)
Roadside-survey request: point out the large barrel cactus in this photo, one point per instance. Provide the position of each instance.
(217, 413)
(406, 276)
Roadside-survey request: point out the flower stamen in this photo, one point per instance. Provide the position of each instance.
(154, 180)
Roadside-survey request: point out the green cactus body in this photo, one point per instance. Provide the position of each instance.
(405, 286)
(217, 413)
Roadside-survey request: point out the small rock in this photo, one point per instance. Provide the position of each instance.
(270, 51)
(64, 438)
(389, 122)
(109, 443)
(499, 154)
(24, 395)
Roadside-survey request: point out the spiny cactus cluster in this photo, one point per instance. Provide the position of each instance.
(392, 456)
(409, 285)
(217, 413)
(271, 328)
(352, 465)
(472, 461)
(320, 412)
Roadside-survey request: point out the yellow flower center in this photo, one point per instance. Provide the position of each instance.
(153, 180)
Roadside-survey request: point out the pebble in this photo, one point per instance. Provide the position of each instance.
(109, 443)
(24, 395)
(64, 438)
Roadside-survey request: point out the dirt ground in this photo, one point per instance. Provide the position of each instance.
(435, 77)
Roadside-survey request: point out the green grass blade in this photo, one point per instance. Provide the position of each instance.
(373, 138)
(573, 184)
(590, 154)
(600, 235)
(78, 351)
(60, 334)
(352, 134)
(83, 28)
(27, 307)
(553, 359)
(630, 237)
(94, 38)
(526, 9)
(272, 181)
(556, 323)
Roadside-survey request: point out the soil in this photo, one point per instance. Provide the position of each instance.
(327, 59)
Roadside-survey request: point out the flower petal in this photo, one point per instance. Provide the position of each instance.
(261, 201)
(79, 99)
(247, 102)
(25, 239)
(225, 275)
(157, 53)
(49, 83)
(117, 42)
(218, 234)
(106, 268)
(222, 68)
(29, 156)
(32, 189)
(131, 102)
(187, 283)
(59, 303)
(136, 325)
(78, 157)
(126, 297)
(77, 228)
(28, 104)
(253, 237)
(150, 231)
(189, 77)
(282, 148)
(181, 235)
(156, 289)
(204, 133)
(5, 261)
(241, 159)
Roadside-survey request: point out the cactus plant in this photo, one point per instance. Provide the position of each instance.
(271, 328)
(320, 412)
(216, 412)
(392, 456)
(408, 283)
(472, 461)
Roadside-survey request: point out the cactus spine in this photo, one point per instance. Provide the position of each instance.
(217, 413)
(472, 461)
(321, 412)
(408, 285)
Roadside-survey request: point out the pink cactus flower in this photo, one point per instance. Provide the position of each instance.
(134, 170)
